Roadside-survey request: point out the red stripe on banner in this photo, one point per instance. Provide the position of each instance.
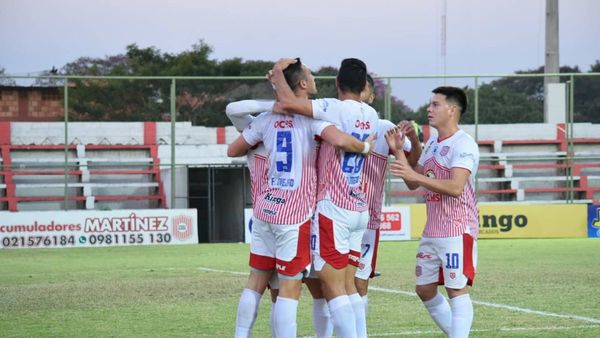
(149, 133)
(221, 135)
(4, 132)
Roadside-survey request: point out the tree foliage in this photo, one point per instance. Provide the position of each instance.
(202, 101)
(199, 101)
(521, 99)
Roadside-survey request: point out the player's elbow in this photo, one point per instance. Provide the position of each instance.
(234, 152)
(229, 109)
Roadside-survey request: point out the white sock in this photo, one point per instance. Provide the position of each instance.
(462, 316)
(365, 299)
(359, 314)
(322, 318)
(342, 316)
(284, 317)
(271, 320)
(246, 313)
(440, 312)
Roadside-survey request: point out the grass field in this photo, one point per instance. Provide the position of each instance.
(524, 288)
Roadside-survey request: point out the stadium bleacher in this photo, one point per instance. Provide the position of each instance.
(531, 169)
(519, 163)
(33, 176)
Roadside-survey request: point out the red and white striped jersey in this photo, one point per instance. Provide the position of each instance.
(374, 172)
(450, 216)
(257, 165)
(286, 193)
(340, 172)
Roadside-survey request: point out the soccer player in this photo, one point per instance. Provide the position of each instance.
(239, 115)
(447, 252)
(374, 177)
(342, 211)
(285, 197)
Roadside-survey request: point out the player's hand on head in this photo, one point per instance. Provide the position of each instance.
(283, 63)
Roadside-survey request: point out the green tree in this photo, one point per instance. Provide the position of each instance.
(521, 99)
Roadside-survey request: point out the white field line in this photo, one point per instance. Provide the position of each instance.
(499, 306)
(504, 329)
(502, 306)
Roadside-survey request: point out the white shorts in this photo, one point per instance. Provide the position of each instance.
(448, 261)
(336, 235)
(368, 254)
(281, 247)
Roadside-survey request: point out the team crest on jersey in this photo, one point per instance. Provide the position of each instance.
(429, 173)
(452, 275)
(444, 150)
(418, 271)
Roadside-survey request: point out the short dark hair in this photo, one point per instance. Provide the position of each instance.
(352, 76)
(294, 74)
(454, 95)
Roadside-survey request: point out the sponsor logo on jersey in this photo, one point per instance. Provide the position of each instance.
(357, 194)
(284, 124)
(428, 146)
(362, 124)
(269, 212)
(274, 199)
(423, 255)
(429, 173)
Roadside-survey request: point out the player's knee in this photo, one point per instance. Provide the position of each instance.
(362, 286)
(426, 292)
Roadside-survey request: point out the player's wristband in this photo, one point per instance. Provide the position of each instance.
(366, 148)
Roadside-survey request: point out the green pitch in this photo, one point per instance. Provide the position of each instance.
(523, 288)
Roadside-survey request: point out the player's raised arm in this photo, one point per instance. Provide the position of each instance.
(400, 167)
(239, 147)
(409, 131)
(347, 143)
(239, 112)
(287, 101)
